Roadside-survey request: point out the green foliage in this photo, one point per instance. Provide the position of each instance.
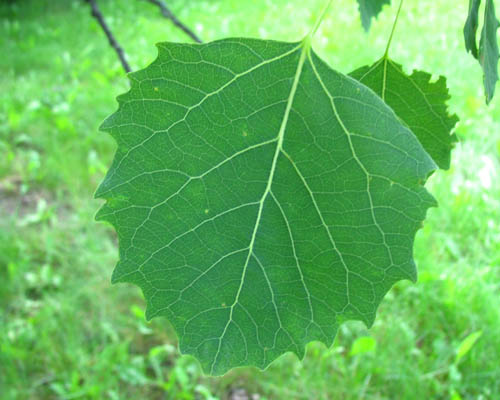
(370, 9)
(466, 345)
(488, 50)
(363, 345)
(261, 207)
(420, 103)
(470, 27)
(488, 53)
(81, 335)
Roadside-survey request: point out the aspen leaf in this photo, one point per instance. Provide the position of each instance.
(260, 198)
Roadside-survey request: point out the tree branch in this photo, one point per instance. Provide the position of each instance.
(96, 13)
(168, 14)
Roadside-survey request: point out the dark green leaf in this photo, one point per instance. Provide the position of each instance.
(488, 50)
(260, 198)
(470, 27)
(370, 9)
(420, 103)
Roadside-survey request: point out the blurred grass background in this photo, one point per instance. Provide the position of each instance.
(66, 333)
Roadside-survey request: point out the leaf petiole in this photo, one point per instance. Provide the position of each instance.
(320, 19)
(393, 29)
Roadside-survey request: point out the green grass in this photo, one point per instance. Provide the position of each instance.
(66, 333)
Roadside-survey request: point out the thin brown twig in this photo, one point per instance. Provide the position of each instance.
(96, 13)
(168, 14)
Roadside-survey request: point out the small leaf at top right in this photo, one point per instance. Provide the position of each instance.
(370, 9)
(488, 53)
(418, 102)
(470, 27)
(488, 50)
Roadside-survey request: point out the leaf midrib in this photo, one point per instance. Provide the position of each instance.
(305, 47)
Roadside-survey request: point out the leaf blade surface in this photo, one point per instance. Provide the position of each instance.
(260, 198)
(470, 27)
(369, 9)
(420, 103)
(488, 50)
(488, 53)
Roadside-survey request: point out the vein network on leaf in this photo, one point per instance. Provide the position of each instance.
(260, 197)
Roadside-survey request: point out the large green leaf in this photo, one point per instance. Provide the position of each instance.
(260, 198)
(370, 9)
(420, 103)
